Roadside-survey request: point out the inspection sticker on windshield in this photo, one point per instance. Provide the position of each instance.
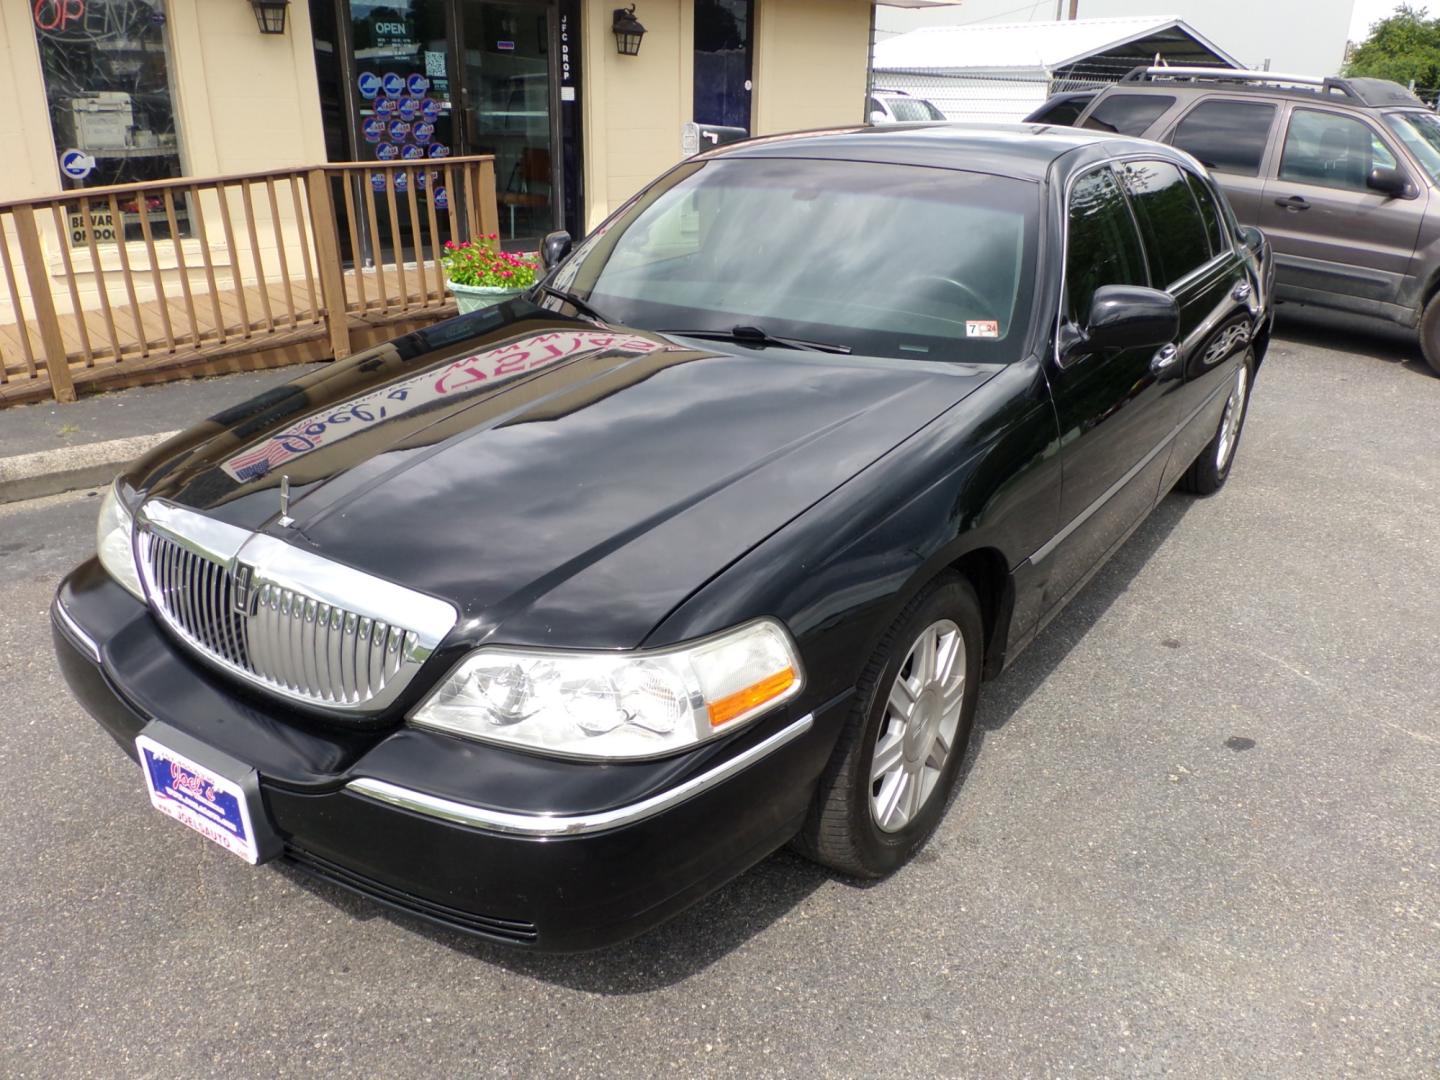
(982, 328)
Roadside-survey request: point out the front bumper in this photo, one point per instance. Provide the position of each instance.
(555, 855)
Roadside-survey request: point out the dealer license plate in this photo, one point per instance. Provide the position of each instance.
(213, 805)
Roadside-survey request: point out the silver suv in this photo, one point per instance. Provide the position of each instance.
(1343, 176)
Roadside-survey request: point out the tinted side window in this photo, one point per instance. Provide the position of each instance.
(1175, 234)
(1128, 114)
(1331, 150)
(1210, 212)
(1227, 136)
(1063, 113)
(1102, 247)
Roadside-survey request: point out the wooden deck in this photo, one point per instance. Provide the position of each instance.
(233, 330)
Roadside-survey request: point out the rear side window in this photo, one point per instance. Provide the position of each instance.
(1175, 234)
(1128, 114)
(1331, 150)
(1227, 136)
(1102, 246)
(1210, 212)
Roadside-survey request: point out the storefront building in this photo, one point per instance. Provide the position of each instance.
(117, 91)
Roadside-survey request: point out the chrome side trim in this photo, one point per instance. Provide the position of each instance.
(1115, 488)
(76, 632)
(543, 825)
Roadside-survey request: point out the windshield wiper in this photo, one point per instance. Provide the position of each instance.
(574, 301)
(754, 335)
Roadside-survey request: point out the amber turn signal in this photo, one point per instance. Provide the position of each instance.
(744, 701)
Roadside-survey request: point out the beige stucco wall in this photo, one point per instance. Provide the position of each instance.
(30, 167)
(810, 63)
(245, 100)
(809, 71)
(633, 106)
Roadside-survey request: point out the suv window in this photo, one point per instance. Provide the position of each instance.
(1331, 150)
(1211, 213)
(1102, 246)
(1064, 112)
(1127, 114)
(1175, 234)
(1227, 136)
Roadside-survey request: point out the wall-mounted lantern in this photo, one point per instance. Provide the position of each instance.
(628, 31)
(270, 14)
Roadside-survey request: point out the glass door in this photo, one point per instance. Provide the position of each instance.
(722, 65)
(506, 94)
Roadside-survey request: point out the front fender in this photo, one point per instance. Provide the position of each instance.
(984, 476)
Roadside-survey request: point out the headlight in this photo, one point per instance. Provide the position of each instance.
(617, 705)
(112, 540)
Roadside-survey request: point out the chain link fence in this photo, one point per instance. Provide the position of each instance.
(998, 96)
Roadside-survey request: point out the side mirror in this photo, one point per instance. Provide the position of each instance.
(877, 116)
(554, 248)
(1131, 317)
(1392, 183)
(1254, 238)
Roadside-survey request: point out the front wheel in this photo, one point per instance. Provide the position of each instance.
(1430, 333)
(890, 777)
(1208, 473)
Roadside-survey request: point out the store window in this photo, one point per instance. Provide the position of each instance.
(106, 69)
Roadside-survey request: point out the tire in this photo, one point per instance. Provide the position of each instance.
(1430, 333)
(849, 828)
(1208, 472)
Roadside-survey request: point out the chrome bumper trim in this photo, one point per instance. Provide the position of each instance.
(543, 825)
(74, 630)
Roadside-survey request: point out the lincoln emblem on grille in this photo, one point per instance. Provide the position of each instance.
(240, 591)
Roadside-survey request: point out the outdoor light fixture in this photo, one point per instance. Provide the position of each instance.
(270, 14)
(628, 31)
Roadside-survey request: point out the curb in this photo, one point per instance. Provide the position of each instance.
(68, 468)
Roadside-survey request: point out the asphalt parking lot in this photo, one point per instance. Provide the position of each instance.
(1199, 837)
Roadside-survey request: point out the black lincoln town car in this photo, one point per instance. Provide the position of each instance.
(545, 621)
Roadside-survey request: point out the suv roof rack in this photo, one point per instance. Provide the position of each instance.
(1325, 84)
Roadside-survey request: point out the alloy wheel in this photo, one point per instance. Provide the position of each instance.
(917, 733)
(1230, 423)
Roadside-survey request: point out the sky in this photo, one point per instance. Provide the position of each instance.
(1369, 11)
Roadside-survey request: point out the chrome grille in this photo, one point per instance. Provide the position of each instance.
(275, 633)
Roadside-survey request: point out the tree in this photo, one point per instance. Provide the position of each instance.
(1401, 46)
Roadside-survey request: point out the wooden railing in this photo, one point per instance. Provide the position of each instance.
(124, 284)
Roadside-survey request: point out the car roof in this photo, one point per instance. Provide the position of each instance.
(1379, 94)
(1021, 151)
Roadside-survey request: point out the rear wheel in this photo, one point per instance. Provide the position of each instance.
(1208, 473)
(890, 777)
(1430, 333)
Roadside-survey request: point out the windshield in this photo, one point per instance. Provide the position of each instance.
(1420, 132)
(885, 260)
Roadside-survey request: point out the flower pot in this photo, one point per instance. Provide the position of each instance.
(475, 297)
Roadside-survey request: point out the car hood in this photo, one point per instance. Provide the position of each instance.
(560, 482)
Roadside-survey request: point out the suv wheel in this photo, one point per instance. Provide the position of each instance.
(1430, 333)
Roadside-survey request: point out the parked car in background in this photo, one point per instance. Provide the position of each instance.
(545, 621)
(898, 107)
(1343, 176)
(1062, 108)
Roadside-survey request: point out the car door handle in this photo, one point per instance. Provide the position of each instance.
(1164, 359)
(1293, 202)
(1241, 291)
